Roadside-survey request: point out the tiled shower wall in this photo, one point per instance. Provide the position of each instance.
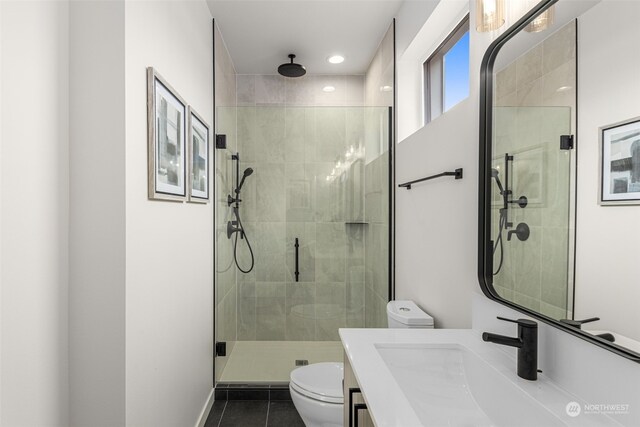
(379, 92)
(377, 240)
(294, 135)
(535, 96)
(545, 76)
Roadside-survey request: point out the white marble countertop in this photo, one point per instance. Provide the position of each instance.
(386, 401)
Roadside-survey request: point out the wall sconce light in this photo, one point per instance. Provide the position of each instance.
(489, 15)
(542, 22)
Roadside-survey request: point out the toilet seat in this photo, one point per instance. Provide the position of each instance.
(319, 381)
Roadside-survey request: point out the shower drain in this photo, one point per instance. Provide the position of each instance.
(302, 362)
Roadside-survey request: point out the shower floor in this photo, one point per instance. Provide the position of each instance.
(273, 361)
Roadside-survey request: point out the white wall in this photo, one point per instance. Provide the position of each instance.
(607, 236)
(97, 214)
(169, 246)
(436, 222)
(141, 299)
(410, 19)
(34, 205)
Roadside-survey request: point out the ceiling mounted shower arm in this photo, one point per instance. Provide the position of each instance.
(291, 69)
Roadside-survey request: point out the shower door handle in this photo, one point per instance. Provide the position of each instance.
(297, 246)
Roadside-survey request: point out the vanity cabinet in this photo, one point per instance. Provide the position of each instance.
(355, 409)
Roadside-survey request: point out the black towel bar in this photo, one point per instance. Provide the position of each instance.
(457, 174)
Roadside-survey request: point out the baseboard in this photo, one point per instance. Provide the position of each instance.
(257, 391)
(202, 419)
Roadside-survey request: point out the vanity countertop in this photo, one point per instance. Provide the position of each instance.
(389, 406)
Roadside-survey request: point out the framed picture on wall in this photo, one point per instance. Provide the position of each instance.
(197, 158)
(620, 163)
(166, 123)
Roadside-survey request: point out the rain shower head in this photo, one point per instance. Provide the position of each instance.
(292, 69)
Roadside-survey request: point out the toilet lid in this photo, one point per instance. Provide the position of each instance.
(320, 381)
(408, 313)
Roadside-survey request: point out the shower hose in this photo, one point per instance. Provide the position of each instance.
(503, 220)
(235, 244)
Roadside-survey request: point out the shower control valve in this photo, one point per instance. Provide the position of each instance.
(522, 232)
(232, 227)
(231, 200)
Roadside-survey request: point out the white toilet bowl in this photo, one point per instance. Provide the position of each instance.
(316, 391)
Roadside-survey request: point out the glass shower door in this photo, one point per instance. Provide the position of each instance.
(225, 274)
(316, 212)
(531, 218)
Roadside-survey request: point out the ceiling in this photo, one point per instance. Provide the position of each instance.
(261, 33)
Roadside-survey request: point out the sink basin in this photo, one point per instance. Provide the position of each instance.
(450, 385)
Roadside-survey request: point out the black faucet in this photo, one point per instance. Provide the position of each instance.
(526, 343)
(578, 324)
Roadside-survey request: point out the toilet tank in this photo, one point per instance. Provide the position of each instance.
(407, 315)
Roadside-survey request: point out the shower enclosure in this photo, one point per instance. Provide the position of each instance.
(534, 172)
(315, 209)
(531, 208)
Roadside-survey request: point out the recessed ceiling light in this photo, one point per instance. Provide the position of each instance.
(385, 88)
(336, 59)
(328, 89)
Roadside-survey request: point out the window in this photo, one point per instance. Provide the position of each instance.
(446, 73)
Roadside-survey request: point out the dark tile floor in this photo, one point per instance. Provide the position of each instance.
(250, 413)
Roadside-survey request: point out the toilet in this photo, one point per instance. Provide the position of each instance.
(316, 389)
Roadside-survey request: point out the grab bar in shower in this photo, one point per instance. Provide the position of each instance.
(296, 245)
(456, 173)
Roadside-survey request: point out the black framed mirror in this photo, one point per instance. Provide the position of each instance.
(547, 140)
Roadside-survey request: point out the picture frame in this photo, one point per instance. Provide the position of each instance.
(620, 163)
(166, 131)
(198, 156)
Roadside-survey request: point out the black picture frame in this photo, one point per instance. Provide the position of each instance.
(607, 197)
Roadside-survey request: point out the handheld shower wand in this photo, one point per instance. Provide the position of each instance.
(247, 172)
(231, 200)
(495, 174)
(235, 226)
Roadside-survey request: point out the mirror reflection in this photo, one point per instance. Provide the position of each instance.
(563, 209)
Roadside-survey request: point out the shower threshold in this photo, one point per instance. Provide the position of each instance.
(268, 362)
